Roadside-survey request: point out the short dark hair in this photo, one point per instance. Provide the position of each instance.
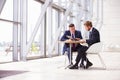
(88, 23)
(71, 25)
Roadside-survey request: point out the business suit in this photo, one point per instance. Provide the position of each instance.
(66, 47)
(94, 37)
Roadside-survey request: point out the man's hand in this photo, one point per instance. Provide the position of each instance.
(69, 40)
(82, 41)
(77, 39)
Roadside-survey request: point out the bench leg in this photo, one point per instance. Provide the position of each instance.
(102, 61)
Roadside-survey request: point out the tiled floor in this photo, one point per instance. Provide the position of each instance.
(53, 69)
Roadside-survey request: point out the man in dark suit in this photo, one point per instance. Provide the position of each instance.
(71, 34)
(94, 37)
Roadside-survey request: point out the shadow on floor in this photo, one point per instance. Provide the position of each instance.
(96, 68)
(101, 68)
(6, 73)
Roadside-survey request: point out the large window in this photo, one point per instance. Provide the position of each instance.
(6, 41)
(45, 35)
(7, 12)
(34, 10)
(6, 32)
(55, 22)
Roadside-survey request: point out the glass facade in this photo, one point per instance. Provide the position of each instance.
(51, 26)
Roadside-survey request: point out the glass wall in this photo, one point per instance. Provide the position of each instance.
(6, 41)
(7, 12)
(6, 31)
(55, 22)
(48, 28)
(34, 10)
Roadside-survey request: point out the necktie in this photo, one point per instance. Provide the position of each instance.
(73, 36)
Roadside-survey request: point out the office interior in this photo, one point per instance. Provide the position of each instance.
(30, 31)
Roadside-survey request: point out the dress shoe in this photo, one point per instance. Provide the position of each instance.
(82, 66)
(73, 67)
(88, 65)
(70, 65)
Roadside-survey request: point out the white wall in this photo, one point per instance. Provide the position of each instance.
(110, 32)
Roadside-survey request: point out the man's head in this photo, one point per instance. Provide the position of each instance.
(88, 25)
(72, 28)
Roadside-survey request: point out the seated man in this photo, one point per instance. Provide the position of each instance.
(94, 37)
(71, 34)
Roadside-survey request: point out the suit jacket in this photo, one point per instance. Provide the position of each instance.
(94, 37)
(64, 37)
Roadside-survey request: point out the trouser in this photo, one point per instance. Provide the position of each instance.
(81, 55)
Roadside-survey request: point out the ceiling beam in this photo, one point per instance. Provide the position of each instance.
(60, 8)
